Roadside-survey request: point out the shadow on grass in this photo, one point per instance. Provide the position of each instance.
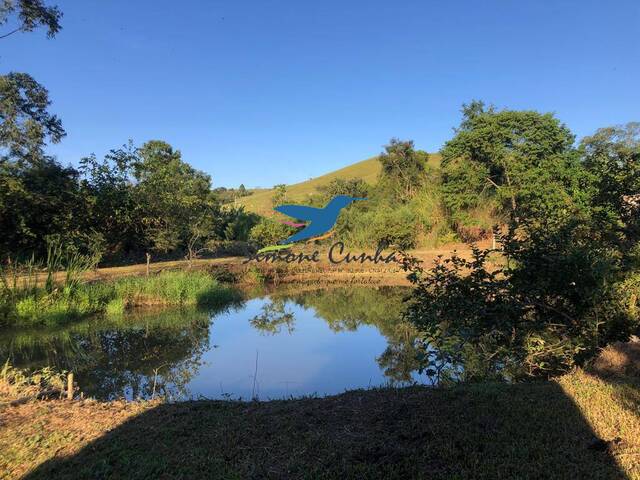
(474, 431)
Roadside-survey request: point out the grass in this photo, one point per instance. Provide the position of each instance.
(37, 306)
(368, 170)
(580, 426)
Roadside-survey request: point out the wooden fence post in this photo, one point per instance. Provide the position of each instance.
(70, 386)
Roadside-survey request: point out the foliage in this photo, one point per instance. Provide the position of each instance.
(403, 169)
(37, 202)
(269, 232)
(111, 198)
(476, 322)
(171, 194)
(234, 223)
(25, 302)
(26, 123)
(497, 157)
(354, 187)
(379, 225)
(612, 157)
(571, 250)
(30, 14)
(170, 288)
(279, 195)
(231, 195)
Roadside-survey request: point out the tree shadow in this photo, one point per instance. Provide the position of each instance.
(475, 431)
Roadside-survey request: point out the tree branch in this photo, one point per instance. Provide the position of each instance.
(10, 33)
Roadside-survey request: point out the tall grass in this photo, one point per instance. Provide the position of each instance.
(70, 300)
(169, 288)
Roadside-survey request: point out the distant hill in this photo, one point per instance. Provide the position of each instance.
(368, 170)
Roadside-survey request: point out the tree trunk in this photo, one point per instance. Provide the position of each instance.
(148, 262)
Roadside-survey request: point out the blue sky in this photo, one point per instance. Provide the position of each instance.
(263, 92)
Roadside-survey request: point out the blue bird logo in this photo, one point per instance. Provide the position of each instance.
(321, 219)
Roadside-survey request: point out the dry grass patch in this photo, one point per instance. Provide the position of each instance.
(621, 358)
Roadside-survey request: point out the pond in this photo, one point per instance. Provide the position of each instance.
(269, 346)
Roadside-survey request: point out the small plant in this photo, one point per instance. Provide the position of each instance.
(46, 382)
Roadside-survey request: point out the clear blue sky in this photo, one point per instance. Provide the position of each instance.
(265, 92)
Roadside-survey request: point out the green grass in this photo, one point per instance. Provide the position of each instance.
(580, 426)
(368, 170)
(37, 307)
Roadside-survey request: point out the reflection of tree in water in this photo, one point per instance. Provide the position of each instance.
(129, 362)
(346, 309)
(400, 358)
(274, 316)
(120, 356)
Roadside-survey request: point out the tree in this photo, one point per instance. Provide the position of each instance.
(108, 186)
(279, 194)
(172, 196)
(403, 168)
(26, 125)
(496, 154)
(269, 232)
(612, 156)
(38, 197)
(36, 202)
(30, 14)
(570, 283)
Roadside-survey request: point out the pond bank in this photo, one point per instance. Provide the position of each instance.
(580, 426)
(378, 273)
(72, 301)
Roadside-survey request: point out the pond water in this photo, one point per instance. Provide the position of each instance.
(269, 346)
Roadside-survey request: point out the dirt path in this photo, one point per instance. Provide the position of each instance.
(354, 272)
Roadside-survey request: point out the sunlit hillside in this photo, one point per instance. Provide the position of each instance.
(368, 170)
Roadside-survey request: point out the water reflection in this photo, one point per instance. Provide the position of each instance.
(271, 346)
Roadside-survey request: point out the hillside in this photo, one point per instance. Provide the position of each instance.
(368, 170)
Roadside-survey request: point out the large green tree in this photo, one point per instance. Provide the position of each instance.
(174, 199)
(112, 210)
(612, 157)
(498, 156)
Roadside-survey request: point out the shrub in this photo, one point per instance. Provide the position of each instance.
(394, 227)
(269, 232)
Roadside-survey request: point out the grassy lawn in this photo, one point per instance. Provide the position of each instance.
(580, 426)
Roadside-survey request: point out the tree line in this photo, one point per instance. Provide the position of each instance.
(136, 201)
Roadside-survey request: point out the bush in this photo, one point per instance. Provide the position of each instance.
(393, 227)
(553, 306)
(269, 232)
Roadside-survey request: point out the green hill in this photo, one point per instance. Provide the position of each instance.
(368, 170)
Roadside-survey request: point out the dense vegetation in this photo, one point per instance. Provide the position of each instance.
(570, 241)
